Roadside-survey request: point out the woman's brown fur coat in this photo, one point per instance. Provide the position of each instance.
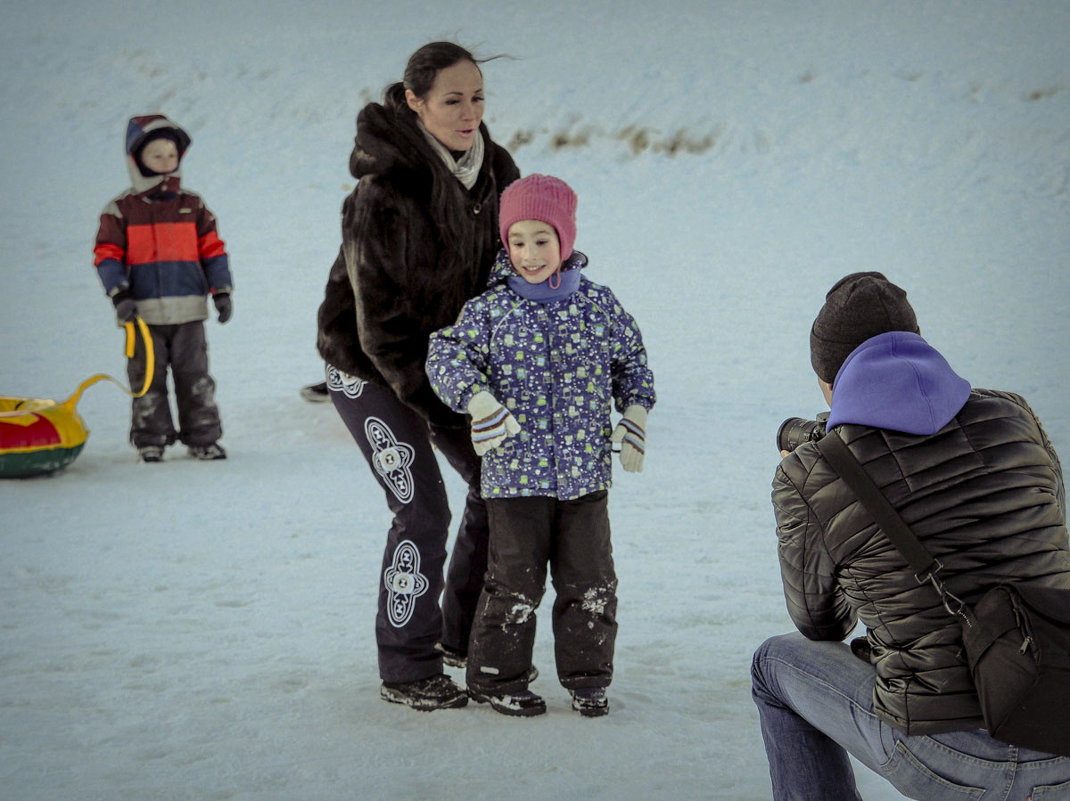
(401, 273)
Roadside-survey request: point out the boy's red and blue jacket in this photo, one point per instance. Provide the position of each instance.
(159, 242)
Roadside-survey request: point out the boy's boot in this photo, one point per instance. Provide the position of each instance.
(150, 453)
(208, 452)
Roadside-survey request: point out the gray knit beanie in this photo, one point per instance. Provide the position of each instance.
(859, 306)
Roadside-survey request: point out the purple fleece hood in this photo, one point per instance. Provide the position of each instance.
(899, 382)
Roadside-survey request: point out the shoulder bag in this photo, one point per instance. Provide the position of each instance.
(1017, 636)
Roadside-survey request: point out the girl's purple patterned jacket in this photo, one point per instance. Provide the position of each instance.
(558, 366)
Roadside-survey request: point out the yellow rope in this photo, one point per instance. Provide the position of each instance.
(150, 355)
(132, 330)
(131, 341)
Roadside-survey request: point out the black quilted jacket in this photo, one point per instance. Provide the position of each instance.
(985, 495)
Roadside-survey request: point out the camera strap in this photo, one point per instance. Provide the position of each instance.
(926, 566)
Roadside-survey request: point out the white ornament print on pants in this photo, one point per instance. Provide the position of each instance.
(404, 583)
(349, 385)
(392, 459)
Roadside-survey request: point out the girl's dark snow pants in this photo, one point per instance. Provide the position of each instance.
(573, 538)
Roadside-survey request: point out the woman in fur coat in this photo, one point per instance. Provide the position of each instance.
(419, 235)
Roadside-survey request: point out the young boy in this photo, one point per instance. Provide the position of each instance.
(538, 361)
(158, 256)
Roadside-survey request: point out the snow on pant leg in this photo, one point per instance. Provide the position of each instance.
(198, 415)
(499, 654)
(394, 441)
(468, 559)
(150, 414)
(585, 609)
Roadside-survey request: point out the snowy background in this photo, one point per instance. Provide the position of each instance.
(205, 630)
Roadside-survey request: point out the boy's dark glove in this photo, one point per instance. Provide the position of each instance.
(861, 648)
(125, 307)
(223, 305)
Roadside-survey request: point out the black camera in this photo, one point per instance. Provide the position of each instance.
(794, 431)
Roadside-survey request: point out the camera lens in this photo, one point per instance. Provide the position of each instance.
(794, 431)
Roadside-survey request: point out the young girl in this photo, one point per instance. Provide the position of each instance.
(538, 361)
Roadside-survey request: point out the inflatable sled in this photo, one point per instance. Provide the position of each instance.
(40, 436)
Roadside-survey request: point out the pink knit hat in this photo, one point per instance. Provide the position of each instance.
(540, 197)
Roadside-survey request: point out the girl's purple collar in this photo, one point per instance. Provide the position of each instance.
(565, 282)
(543, 292)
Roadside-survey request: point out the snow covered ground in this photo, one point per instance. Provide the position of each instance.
(204, 631)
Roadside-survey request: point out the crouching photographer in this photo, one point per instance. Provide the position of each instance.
(970, 474)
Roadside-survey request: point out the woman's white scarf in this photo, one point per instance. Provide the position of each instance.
(466, 168)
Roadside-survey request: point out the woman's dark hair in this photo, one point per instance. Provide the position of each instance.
(425, 63)
(420, 72)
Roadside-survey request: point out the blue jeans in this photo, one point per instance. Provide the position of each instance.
(815, 704)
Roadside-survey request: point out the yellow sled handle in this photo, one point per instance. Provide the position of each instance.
(132, 329)
(150, 355)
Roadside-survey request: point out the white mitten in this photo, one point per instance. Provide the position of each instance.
(491, 422)
(630, 435)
